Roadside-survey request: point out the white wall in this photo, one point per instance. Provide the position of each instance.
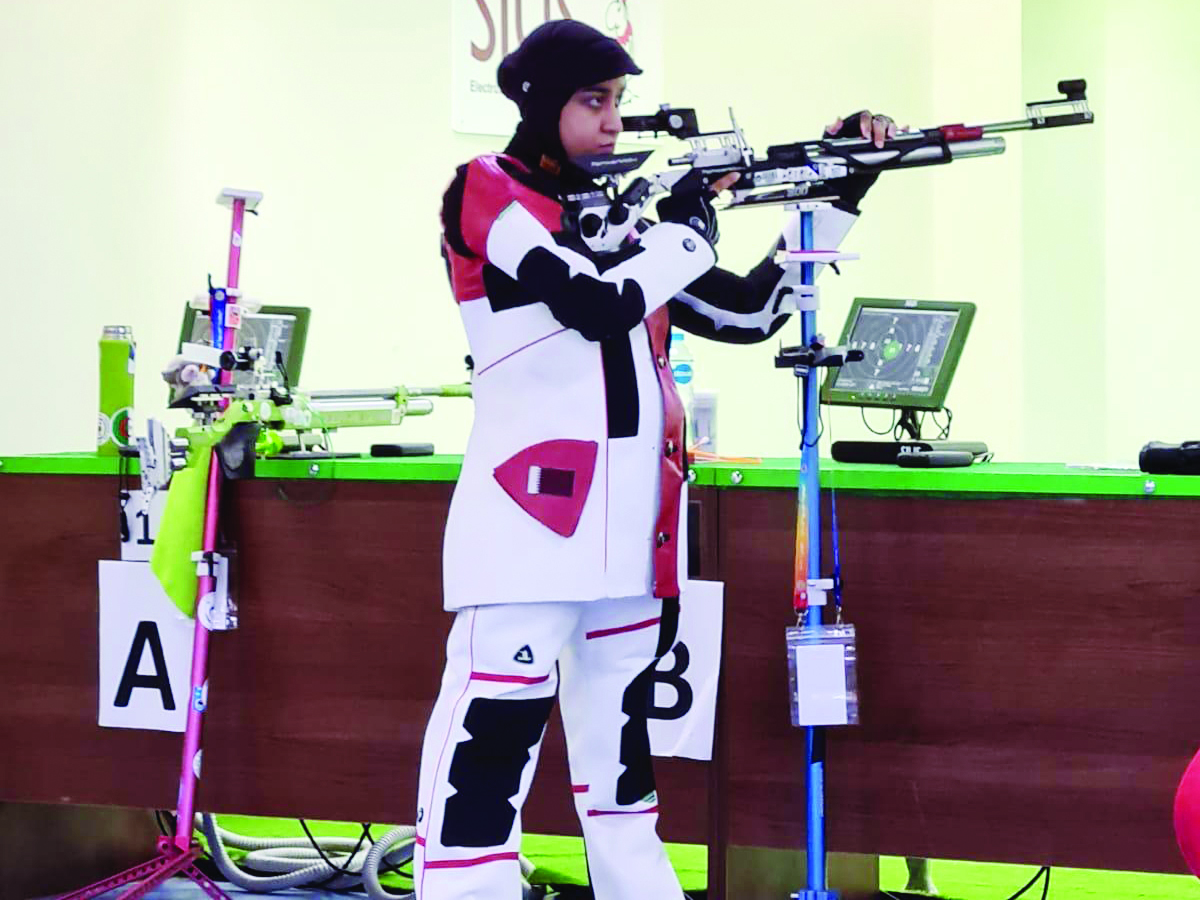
(1060, 355)
(1152, 192)
(121, 120)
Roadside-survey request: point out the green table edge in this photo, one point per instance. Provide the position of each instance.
(986, 478)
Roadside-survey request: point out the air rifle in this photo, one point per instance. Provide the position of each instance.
(264, 417)
(806, 170)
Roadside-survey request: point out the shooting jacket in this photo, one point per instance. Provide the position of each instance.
(573, 481)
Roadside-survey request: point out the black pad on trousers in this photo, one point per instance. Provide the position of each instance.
(486, 770)
(638, 778)
(637, 781)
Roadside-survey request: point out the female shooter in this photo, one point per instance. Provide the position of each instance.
(565, 545)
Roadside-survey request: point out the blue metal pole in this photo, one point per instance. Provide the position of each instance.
(814, 738)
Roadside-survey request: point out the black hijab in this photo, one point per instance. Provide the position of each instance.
(553, 62)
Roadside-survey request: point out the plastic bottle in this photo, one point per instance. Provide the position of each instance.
(683, 368)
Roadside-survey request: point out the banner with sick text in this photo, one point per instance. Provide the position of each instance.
(483, 31)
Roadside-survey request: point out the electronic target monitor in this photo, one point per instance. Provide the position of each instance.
(910, 349)
(272, 329)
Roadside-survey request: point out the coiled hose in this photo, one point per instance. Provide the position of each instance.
(299, 864)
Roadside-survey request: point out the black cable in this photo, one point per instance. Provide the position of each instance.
(1044, 870)
(800, 417)
(398, 868)
(159, 816)
(338, 871)
(943, 430)
(279, 367)
(889, 430)
(898, 429)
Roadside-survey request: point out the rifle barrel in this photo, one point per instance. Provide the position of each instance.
(354, 394)
(350, 404)
(1014, 125)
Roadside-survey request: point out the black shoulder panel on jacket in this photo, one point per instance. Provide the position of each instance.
(504, 292)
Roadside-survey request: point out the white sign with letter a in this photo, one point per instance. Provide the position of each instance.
(683, 705)
(145, 651)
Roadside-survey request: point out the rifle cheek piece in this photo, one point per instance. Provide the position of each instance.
(235, 451)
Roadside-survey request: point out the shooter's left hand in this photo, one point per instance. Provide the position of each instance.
(876, 128)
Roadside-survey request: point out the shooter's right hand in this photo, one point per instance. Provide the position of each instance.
(692, 208)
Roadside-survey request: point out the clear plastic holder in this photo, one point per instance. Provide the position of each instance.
(822, 675)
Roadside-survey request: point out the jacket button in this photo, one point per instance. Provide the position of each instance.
(662, 538)
(670, 448)
(662, 361)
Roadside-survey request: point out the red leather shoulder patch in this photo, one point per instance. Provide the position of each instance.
(466, 275)
(550, 481)
(488, 192)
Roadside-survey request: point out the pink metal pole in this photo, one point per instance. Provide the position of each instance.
(235, 262)
(189, 772)
(177, 856)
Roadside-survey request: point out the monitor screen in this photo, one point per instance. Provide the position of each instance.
(910, 347)
(272, 329)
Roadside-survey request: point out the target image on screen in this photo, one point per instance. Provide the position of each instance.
(910, 348)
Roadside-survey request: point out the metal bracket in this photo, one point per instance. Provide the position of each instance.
(800, 358)
(808, 297)
(228, 195)
(818, 588)
(796, 297)
(159, 457)
(216, 610)
(799, 257)
(808, 205)
(202, 354)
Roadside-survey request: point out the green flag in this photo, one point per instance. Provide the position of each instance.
(182, 532)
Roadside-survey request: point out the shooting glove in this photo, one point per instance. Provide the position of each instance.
(692, 208)
(852, 188)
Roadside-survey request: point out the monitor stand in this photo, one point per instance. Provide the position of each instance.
(909, 424)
